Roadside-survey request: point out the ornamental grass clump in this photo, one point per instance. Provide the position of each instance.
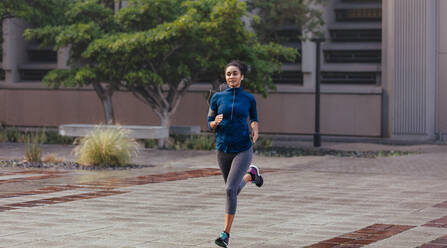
(106, 147)
(33, 147)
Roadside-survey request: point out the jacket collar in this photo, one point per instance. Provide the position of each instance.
(233, 89)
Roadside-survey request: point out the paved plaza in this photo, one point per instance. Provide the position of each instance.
(178, 201)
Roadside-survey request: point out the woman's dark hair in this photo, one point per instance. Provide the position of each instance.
(242, 67)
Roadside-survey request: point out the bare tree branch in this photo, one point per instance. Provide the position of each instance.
(99, 90)
(162, 96)
(170, 53)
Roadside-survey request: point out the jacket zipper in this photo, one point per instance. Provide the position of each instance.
(232, 106)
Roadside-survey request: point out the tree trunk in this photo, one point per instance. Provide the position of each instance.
(118, 5)
(164, 104)
(165, 121)
(108, 109)
(105, 95)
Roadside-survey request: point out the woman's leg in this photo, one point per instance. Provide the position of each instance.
(224, 160)
(235, 183)
(245, 180)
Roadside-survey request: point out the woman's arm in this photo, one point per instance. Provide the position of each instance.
(213, 118)
(254, 121)
(216, 121)
(254, 130)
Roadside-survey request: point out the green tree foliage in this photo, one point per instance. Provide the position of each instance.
(158, 48)
(36, 12)
(84, 21)
(270, 17)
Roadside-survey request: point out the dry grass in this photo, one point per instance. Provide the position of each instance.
(106, 147)
(52, 158)
(33, 147)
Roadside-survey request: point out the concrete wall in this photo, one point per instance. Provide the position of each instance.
(342, 114)
(409, 35)
(14, 48)
(442, 71)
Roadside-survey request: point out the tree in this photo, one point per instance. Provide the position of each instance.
(267, 18)
(165, 46)
(39, 12)
(35, 12)
(157, 49)
(84, 22)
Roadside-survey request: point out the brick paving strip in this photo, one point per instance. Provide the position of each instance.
(45, 190)
(441, 205)
(156, 178)
(437, 243)
(108, 185)
(362, 237)
(55, 200)
(35, 175)
(159, 178)
(441, 222)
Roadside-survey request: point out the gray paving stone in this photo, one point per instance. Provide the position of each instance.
(308, 200)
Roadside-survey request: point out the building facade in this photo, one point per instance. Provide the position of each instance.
(381, 76)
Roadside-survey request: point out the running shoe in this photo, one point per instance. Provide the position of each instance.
(256, 177)
(223, 239)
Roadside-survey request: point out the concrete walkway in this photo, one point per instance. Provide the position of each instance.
(387, 202)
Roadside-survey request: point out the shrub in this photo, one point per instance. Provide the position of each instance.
(150, 143)
(33, 146)
(3, 137)
(192, 142)
(106, 147)
(14, 135)
(202, 142)
(263, 143)
(53, 137)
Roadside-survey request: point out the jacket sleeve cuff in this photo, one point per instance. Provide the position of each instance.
(252, 121)
(209, 126)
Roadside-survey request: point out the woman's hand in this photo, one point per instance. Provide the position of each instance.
(216, 121)
(254, 131)
(255, 136)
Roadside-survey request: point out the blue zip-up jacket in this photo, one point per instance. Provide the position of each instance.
(236, 105)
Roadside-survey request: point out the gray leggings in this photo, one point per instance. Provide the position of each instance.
(234, 166)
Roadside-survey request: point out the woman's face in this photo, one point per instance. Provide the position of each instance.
(233, 76)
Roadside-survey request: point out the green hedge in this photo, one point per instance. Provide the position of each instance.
(13, 134)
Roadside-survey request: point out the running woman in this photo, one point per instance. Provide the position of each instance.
(227, 116)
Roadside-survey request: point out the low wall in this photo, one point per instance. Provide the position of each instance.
(341, 114)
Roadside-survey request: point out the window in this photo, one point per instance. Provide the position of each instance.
(352, 56)
(350, 77)
(357, 1)
(358, 14)
(1, 42)
(287, 35)
(356, 35)
(288, 77)
(39, 56)
(32, 74)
